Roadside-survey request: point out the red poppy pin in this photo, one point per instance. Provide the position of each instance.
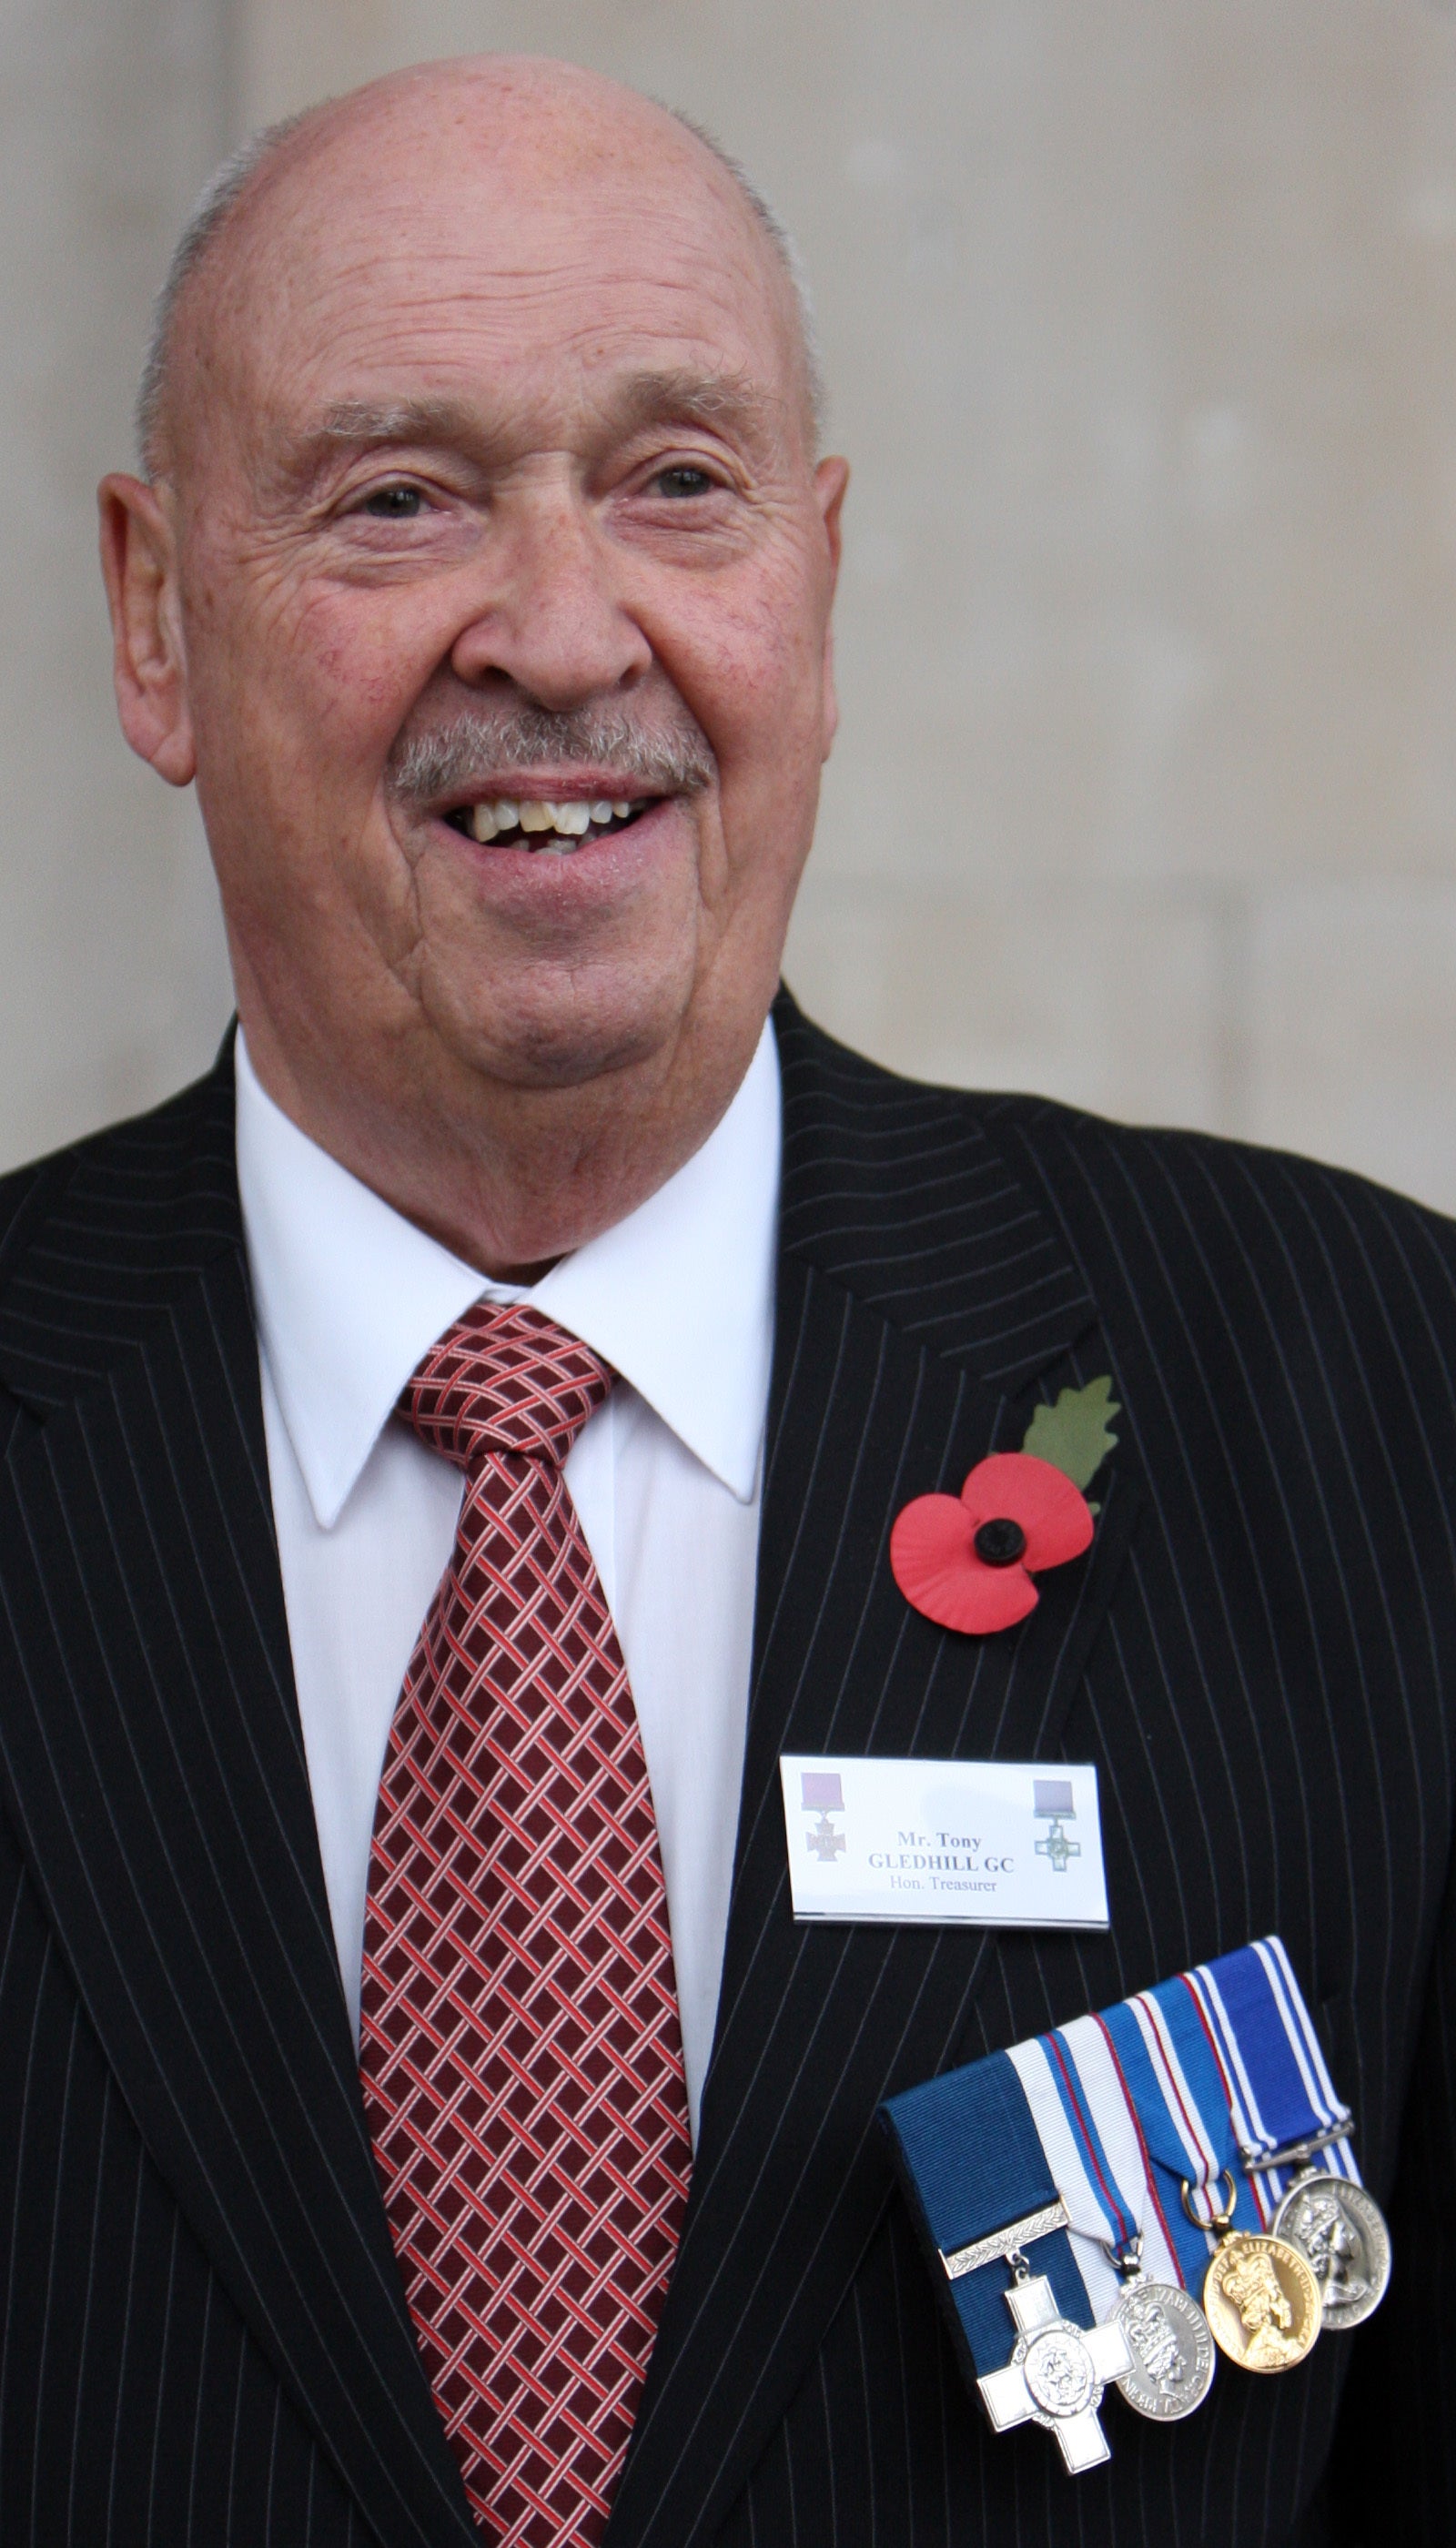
(968, 1561)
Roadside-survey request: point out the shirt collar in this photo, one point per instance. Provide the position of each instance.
(679, 1297)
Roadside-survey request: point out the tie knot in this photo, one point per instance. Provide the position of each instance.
(504, 1378)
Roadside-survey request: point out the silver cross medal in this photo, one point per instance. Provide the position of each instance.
(1057, 2370)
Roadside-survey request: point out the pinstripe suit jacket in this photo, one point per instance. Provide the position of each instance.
(203, 2338)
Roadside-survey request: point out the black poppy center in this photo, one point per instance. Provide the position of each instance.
(1000, 1542)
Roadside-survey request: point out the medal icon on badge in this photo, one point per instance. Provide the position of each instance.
(822, 1793)
(1052, 1801)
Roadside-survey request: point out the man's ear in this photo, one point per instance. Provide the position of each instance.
(139, 559)
(831, 478)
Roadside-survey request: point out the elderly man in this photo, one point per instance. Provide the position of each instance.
(450, 1455)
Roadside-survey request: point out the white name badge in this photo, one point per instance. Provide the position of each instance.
(993, 1844)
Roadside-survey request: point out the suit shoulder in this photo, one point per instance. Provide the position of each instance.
(1047, 1124)
(1067, 1143)
(1219, 1229)
(1209, 1173)
(164, 1178)
(1138, 1212)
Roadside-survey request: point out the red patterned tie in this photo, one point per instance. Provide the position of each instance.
(520, 2053)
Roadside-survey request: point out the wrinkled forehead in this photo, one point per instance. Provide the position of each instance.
(528, 271)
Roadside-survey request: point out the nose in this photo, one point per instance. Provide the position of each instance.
(553, 623)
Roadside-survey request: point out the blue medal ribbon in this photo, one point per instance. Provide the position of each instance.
(1283, 2094)
(1173, 2078)
(1218, 2066)
(1095, 2145)
(971, 2163)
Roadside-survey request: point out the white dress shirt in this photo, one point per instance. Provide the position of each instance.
(679, 1297)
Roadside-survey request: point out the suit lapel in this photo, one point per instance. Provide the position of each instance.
(918, 1285)
(154, 1771)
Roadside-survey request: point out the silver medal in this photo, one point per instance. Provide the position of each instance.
(1057, 2373)
(1170, 2343)
(1171, 2346)
(1057, 2370)
(1342, 2230)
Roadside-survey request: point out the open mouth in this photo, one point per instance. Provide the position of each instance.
(550, 827)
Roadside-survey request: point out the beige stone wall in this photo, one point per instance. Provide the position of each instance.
(111, 978)
(1140, 329)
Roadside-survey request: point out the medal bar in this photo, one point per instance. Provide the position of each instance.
(1256, 2163)
(1005, 2242)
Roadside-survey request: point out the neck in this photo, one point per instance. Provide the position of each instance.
(510, 1178)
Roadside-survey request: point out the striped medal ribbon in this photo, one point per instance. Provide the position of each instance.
(1258, 2290)
(1124, 2240)
(1294, 2133)
(1157, 2156)
(985, 2202)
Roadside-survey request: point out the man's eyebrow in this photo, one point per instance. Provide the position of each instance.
(731, 400)
(364, 423)
(372, 425)
(727, 402)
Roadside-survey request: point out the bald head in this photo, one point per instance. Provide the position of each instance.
(482, 580)
(549, 102)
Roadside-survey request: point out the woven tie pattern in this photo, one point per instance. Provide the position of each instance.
(521, 2054)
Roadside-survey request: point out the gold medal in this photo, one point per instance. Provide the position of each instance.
(1260, 2297)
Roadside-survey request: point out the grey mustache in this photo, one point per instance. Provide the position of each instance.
(676, 761)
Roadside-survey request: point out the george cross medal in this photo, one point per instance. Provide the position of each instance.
(1057, 2373)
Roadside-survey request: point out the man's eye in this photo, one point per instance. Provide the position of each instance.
(394, 504)
(683, 481)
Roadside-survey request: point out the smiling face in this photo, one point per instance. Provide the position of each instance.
(492, 607)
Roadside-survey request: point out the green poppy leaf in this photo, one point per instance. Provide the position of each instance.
(1075, 1435)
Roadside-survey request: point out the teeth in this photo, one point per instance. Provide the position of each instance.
(569, 817)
